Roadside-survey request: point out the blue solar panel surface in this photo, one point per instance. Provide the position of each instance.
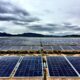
(30, 66)
(75, 61)
(58, 66)
(7, 64)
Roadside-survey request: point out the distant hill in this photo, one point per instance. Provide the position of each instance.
(34, 35)
(23, 35)
(31, 35)
(72, 36)
(5, 34)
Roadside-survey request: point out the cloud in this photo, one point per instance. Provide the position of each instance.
(8, 7)
(57, 17)
(10, 12)
(13, 18)
(40, 28)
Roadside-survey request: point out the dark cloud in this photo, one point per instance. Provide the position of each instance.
(7, 18)
(20, 23)
(69, 25)
(76, 28)
(50, 24)
(10, 12)
(42, 28)
(6, 7)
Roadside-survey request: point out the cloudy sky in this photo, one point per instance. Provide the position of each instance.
(52, 17)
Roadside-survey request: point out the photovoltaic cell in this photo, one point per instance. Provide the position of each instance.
(30, 66)
(58, 66)
(7, 64)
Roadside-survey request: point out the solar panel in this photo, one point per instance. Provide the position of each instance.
(7, 64)
(30, 66)
(58, 66)
(75, 61)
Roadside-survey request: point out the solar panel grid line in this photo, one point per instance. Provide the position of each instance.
(16, 67)
(72, 66)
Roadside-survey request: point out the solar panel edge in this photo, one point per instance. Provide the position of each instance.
(42, 67)
(47, 67)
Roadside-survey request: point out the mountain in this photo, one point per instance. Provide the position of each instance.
(71, 36)
(5, 34)
(34, 35)
(31, 35)
(23, 35)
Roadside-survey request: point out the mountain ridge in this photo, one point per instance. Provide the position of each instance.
(34, 35)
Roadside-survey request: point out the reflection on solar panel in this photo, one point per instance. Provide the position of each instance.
(75, 61)
(30, 66)
(58, 66)
(7, 64)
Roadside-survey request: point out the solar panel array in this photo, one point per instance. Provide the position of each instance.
(32, 66)
(14, 43)
(29, 66)
(58, 66)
